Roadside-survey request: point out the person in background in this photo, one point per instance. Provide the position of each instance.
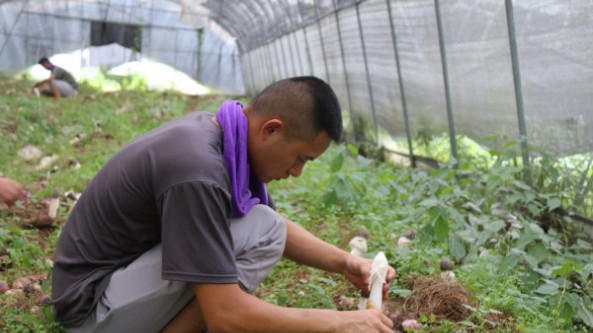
(59, 84)
(177, 230)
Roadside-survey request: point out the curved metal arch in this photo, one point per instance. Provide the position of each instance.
(240, 19)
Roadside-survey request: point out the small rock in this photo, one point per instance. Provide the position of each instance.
(77, 138)
(412, 324)
(44, 300)
(345, 302)
(17, 294)
(49, 262)
(46, 161)
(3, 287)
(36, 310)
(21, 283)
(74, 164)
(33, 289)
(38, 277)
(30, 152)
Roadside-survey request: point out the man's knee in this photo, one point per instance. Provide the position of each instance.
(259, 238)
(271, 221)
(261, 228)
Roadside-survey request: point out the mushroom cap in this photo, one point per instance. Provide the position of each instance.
(363, 232)
(358, 243)
(446, 264)
(410, 234)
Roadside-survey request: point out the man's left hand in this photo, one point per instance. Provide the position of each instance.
(358, 271)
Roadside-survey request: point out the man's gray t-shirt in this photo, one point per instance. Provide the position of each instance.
(170, 186)
(61, 74)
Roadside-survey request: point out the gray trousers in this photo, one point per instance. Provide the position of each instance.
(64, 87)
(138, 300)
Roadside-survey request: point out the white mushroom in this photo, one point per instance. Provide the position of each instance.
(404, 242)
(358, 244)
(54, 204)
(379, 270)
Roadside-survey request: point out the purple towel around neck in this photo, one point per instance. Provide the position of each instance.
(247, 189)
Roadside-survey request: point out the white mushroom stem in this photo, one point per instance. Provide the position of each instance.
(358, 245)
(404, 242)
(54, 204)
(379, 269)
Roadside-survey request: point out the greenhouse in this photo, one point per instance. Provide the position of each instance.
(461, 187)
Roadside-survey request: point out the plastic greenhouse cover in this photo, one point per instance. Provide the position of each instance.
(554, 41)
(242, 46)
(168, 32)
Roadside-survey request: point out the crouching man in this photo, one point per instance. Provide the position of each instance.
(178, 229)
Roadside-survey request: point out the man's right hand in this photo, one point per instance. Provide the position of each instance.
(364, 321)
(10, 191)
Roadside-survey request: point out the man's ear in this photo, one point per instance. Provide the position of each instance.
(271, 127)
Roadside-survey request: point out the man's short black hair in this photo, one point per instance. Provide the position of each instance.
(43, 60)
(307, 103)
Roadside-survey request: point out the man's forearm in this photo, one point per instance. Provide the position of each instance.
(226, 308)
(305, 248)
(48, 80)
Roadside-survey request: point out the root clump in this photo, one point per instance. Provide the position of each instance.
(440, 296)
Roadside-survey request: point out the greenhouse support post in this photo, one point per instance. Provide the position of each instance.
(176, 43)
(298, 53)
(292, 56)
(450, 118)
(267, 59)
(307, 47)
(247, 76)
(296, 26)
(262, 66)
(270, 65)
(518, 90)
(243, 70)
(284, 57)
(368, 76)
(278, 59)
(254, 69)
(290, 51)
(401, 84)
(270, 52)
(257, 70)
(220, 66)
(16, 21)
(274, 45)
(252, 72)
(343, 62)
(583, 189)
(291, 29)
(318, 18)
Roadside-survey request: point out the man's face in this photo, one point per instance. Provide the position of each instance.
(46, 65)
(278, 157)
